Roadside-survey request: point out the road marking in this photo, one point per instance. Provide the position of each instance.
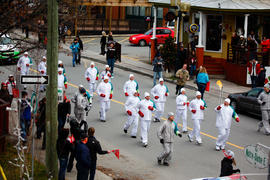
(131, 58)
(85, 42)
(123, 40)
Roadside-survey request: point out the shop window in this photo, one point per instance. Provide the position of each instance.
(129, 11)
(266, 26)
(160, 13)
(213, 32)
(142, 11)
(136, 11)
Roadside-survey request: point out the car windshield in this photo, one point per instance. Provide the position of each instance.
(148, 32)
(254, 92)
(5, 40)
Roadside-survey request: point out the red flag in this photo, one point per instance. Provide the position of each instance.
(116, 152)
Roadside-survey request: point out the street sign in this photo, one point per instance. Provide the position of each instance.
(32, 79)
(256, 156)
(60, 95)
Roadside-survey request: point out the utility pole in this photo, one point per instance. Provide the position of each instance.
(51, 93)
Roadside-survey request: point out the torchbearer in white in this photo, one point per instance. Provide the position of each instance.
(24, 64)
(145, 107)
(105, 92)
(159, 92)
(106, 72)
(132, 111)
(91, 75)
(197, 107)
(62, 80)
(225, 113)
(181, 109)
(130, 86)
(42, 68)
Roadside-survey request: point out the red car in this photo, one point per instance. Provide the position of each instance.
(144, 39)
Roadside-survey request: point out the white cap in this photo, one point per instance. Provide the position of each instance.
(60, 69)
(266, 86)
(230, 154)
(183, 89)
(60, 62)
(170, 114)
(44, 57)
(106, 66)
(25, 53)
(241, 36)
(228, 100)
(80, 86)
(133, 92)
(198, 93)
(11, 75)
(146, 94)
(161, 79)
(92, 63)
(131, 75)
(106, 77)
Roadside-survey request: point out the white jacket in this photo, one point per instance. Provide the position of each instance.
(105, 88)
(180, 100)
(143, 107)
(130, 86)
(92, 73)
(195, 104)
(159, 90)
(61, 81)
(104, 73)
(42, 67)
(22, 63)
(132, 103)
(224, 116)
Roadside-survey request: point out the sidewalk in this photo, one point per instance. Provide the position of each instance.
(145, 68)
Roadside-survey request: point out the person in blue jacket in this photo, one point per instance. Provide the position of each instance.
(202, 80)
(75, 49)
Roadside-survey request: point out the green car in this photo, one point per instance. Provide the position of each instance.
(8, 53)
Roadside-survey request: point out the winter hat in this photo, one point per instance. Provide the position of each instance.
(198, 93)
(183, 89)
(60, 62)
(161, 79)
(133, 92)
(146, 94)
(131, 75)
(229, 154)
(11, 75)
(80, 86)
(228, 100)
(25, 53)
(44, 57)
(170, 114)
(106, 66)
(92, 63)
(266, 86)
(60, 69)
(241, 36)
(106, 77)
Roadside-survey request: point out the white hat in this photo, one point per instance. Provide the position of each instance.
(170, 114)
(133, 92)
(60, 69)
(161, 79)
(25, 53)
(92, 63)
(198, 93)
(106, 66)
(60, 62)
(80, 86)
(241, 36)
(44, 57)
(228, 100)
(11, 75)
(229, 154)
(106, 77)
(182, 89)
(266, 86)
(146, 94)
(131, 75)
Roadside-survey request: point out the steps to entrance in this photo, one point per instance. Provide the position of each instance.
(214, 66)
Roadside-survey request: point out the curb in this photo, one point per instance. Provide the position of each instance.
(98, 36)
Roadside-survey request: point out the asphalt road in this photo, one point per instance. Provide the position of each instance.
(189, 160)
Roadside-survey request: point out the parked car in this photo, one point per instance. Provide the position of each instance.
(247, 101)
(144, 39)
(8, 52)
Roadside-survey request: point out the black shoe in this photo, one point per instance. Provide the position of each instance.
(145, 145)
(166, 164)
(133, 137)
(184, 132)
(103, 120)
(159, 162)
(125, 131)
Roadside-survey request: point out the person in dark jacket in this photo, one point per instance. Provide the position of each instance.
(192, 64)
(25, 115)
(4, 94)
(94, 148)
(64, 109)
(157, 68)
(234, 42)
(110, 37)
(261, 77)
(41, 122)
(227, 164)
(83, 158)
(103, 41)
(111, 55)
(181, 58)
(63, 146)
(79, 50)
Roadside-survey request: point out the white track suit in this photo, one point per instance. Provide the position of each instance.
(92, 75)
(160, 91)
(131, 105)
(181, 110)
(130, 86)
(42, 68)
(223, 123)
(146, 119)
(197, 117)
(24, 64)
(106, 73)
(107, 90)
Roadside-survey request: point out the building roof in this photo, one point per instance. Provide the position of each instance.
(223, 4)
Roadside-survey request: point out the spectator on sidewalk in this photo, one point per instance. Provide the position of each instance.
(111, 56)
(202, 80)
(74, 49)
(261, 77)
(265, 50)
(103, 43)
(227, 164)
(41, 122)
(181, 58)
(192, 64)
(253, 71)
(194, 42)
(234, 42)
(25, 115)
(94, 148)
(242, 49)
(4, 94)
(157, 68)
(252, 48)
(64, 110)
(11, 84)
(182, 76)
(110, 37)
(80, 49)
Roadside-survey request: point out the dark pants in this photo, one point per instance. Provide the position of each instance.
(102, 48)
(201, 88)
(78, 60)
(82, 172)
(61, 123)
(178, 89)
(93, 170)
(111, 62)
(253, 81)
(70, 161)
(62, 169)
(192, 70)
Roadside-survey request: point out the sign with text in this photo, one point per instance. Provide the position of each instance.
(60, 95)
(256, 156)
(34, 79)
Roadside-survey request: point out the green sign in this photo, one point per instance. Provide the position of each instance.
(256, 156)
(60, 95)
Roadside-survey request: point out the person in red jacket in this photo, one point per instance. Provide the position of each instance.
(253, 70)
(265, 50)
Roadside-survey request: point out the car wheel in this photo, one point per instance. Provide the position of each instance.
(142, 42)
(234, 105)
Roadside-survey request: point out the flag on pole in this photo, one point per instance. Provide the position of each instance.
(220, 85)
(116, 153)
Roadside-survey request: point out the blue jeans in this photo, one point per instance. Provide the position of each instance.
(25, 124)
(159, 74)
(192, 69)
(111, 63)
(201, 88)
(253, 81)
(93, 170)
(74, 55)
(62, 169)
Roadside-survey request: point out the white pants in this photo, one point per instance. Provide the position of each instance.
(181, 113)
(132, 120)
(104, 107)
(145, 126)
(166, 154)
(196, 130)
(92, 88)
(265, 120)
(223, 135)
(159, 109)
